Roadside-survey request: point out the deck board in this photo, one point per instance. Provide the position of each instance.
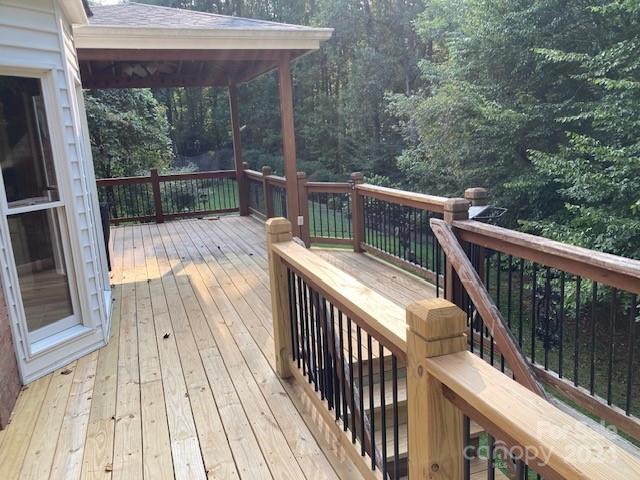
(186, 388)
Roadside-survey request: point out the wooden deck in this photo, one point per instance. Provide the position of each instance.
(186, 386)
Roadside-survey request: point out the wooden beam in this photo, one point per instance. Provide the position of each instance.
(289, 141)
(241, 179)
(130, 54)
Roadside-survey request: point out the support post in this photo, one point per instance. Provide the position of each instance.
(357, 211)
(157, 196)
(477, 196)
(434, 327)
(279, 230)
(454, 209)
(241, 179)
(267, 192)
(303, 202)
(288, 140)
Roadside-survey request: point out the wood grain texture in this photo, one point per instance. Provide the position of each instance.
(484, 304)
(569, 448)
(377, 314)
(619, 272)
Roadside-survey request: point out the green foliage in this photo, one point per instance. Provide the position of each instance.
(129, 132)
(536, 100)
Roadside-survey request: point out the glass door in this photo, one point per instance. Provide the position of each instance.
(34, 211)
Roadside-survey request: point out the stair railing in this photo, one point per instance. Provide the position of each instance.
(401, 392)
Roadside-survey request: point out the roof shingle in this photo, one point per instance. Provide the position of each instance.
(142, 15)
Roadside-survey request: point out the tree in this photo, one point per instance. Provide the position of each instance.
(129, 132)
(598, 169)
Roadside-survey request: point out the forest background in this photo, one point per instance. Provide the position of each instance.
(536, 100)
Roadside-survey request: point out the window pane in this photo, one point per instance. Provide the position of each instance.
(25, 147)
(42, 271)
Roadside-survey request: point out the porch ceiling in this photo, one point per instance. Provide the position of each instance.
(134, 46)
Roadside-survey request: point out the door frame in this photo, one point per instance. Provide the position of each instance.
(69, 342)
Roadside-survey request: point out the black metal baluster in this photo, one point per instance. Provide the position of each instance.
(534, 287)
(521, 303)
(576, 348)
(299, 324)
(372, 429)
(345, 420)
(396, 418)
(466, 457)
(292, 316)
(321, 345)
(632, 341)
(383, 412)
(334, 372)
(325, 343)
(592, 363)
(307, 331)
(352, 405)
(328, 365)
(314, 339)
(360, 388)
(491, 462)
(612, 331)
(498, 290)
(561, 328)
(547, 306)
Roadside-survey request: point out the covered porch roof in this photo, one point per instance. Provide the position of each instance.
(136, 45)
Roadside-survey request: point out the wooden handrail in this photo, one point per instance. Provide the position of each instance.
(254, 174)
(108, 182)
(486, 308)
(192, 175)
(374, 313)
(619, 272)
(329, 187)
(276, 180)
(431, 203)
(513, 414)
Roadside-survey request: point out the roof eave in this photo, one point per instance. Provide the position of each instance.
(74, 11)
(121, 37)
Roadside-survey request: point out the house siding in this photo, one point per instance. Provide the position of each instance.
(36, 34)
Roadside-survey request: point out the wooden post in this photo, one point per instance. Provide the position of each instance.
(434, 327)
(303, 202)
(288, 140)
(157, 197)
(477, 196)
(241, 179)
(454, 209)
(357, 211)
(279, 230)
(268, 193)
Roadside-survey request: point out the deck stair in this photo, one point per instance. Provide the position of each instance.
(478, 466)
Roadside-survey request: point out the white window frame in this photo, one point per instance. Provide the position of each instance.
(28, 346)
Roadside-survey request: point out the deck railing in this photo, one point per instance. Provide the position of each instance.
(401, 389)
(159, 197)
(544, 312)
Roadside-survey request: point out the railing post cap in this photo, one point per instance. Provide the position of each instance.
(435, 319)
(357, 177)
(266, 170)
(245, 165)
(456, 205)
(301, 174)
(477, 195)
(277, 225)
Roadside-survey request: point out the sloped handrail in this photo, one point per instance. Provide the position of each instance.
(487, 309)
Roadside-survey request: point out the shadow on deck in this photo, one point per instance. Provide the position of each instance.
(186, 386)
